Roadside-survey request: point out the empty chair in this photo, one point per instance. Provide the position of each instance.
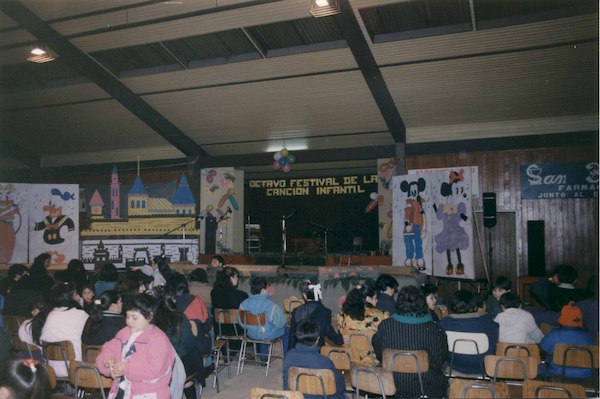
(467, 389)
(372, 380)
(547, 389)
(509, 349)
(265, 393)
(312, 381)
(259, 320)
(407, 361)
(86, 376)
(90, 352)
(58, 355)
(511, 368)
(574, 361)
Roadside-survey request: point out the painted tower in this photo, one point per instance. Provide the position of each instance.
(96, 205)
(115, 195)
(137, 198)
(184, 201)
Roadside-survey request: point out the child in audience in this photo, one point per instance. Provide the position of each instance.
(437, 311)
(387, 287)
(260, 302)
(84, 296)
(570, 332)
(306, 354)
(517, 326)
(501, 286)
(199, 286)
(558, 290)
(315, 310)
(106, 319)
(140, 358)
(23, 379)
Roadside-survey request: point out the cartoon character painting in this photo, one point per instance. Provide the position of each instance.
(10, 222)
(414, 223)
(55, 221)
(453, 237)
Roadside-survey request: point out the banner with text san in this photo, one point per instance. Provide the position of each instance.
(559, 181)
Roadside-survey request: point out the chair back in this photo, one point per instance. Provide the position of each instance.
(312, 381)
(511, 368)
(90, 352)
(373, 380)
(550, 389)
(226, 317)
(475, 389)
(467, 343)
(516, 350)
(86, 375)
(571, 355)
(12, 325)
(360, 340)
(290, 303)
(265, 393)
(61, 351)
(342, 357)
(252, 319)
(405, 361)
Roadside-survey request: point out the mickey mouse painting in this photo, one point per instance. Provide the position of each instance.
(453, 236)
(414, 223)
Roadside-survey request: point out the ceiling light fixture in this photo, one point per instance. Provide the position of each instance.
(324, 8)
(40, 55)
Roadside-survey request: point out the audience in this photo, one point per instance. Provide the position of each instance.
(313, 309)
(217, 263)
(570, 332)
(15, 272)
(517, 326)
(412, 328)
(107, 279)
(39, 279)
(74, 273)
(436, 310)
(140, 357)
(500, 286)
(465, 316)
(387, 286)
(225, 295)
(84, 296)
(359, 312)
(23, 379)
(558, 290)
(306, 354)
(106, 319)
(199, 286)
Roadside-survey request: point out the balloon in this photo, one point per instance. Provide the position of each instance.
(380, 200)
(209, 208)
(370, 206)
(284, 152)
(204, 172)
(277, 156)
(224, 181)
(234, 202)
(291, 158)
(230, 191)
(209, 179)
(222, 200)
(286, 168)
(276, 165)
(383, 167)
(282, 161)
(212, 172)
(373, 196)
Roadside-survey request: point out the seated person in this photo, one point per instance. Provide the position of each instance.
(106, 319)
(387, 286)
(517, 326)
(412, 328)
(24, 379)
(501, 286)
(465, 317)
(260, 302)
(558, 290)
(313, 309)
(436, 309)
(570, 332)
(307, 354)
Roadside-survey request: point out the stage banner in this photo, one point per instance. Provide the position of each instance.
(567, 180)
(54, 221)
(412, 222)
(14, 215)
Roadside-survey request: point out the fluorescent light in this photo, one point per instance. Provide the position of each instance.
(322, 3)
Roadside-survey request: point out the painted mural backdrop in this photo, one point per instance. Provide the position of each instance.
(434, 231)
(14, 217)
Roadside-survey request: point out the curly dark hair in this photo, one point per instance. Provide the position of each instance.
(411, 301)
(355, 303)
(223, 279)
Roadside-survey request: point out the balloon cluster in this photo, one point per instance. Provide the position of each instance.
(283, 160)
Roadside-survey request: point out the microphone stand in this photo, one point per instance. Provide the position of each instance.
(284, 237)
(182, 226)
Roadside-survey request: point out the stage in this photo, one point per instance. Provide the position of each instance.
(300, 259)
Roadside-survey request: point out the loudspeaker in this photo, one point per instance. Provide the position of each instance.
(489, 209)
(536, 248)
(210, 235)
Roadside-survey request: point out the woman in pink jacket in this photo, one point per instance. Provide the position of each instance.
(140, 357)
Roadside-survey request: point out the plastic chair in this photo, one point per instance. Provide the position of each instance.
(372, 380)
(312, 381)
(546, 389)
(258, 320)
(265, 393)
(467, 389)
(84, 375)
(407, 361)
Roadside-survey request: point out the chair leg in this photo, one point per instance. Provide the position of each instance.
(269, 358)
(241, 358)
(217, 366)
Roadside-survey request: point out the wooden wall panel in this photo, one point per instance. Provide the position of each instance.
(571, 228)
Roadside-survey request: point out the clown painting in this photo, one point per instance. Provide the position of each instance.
(10, 221)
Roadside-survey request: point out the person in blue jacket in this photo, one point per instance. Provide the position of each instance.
(260, 302)
(570, 332)
(307, 354)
